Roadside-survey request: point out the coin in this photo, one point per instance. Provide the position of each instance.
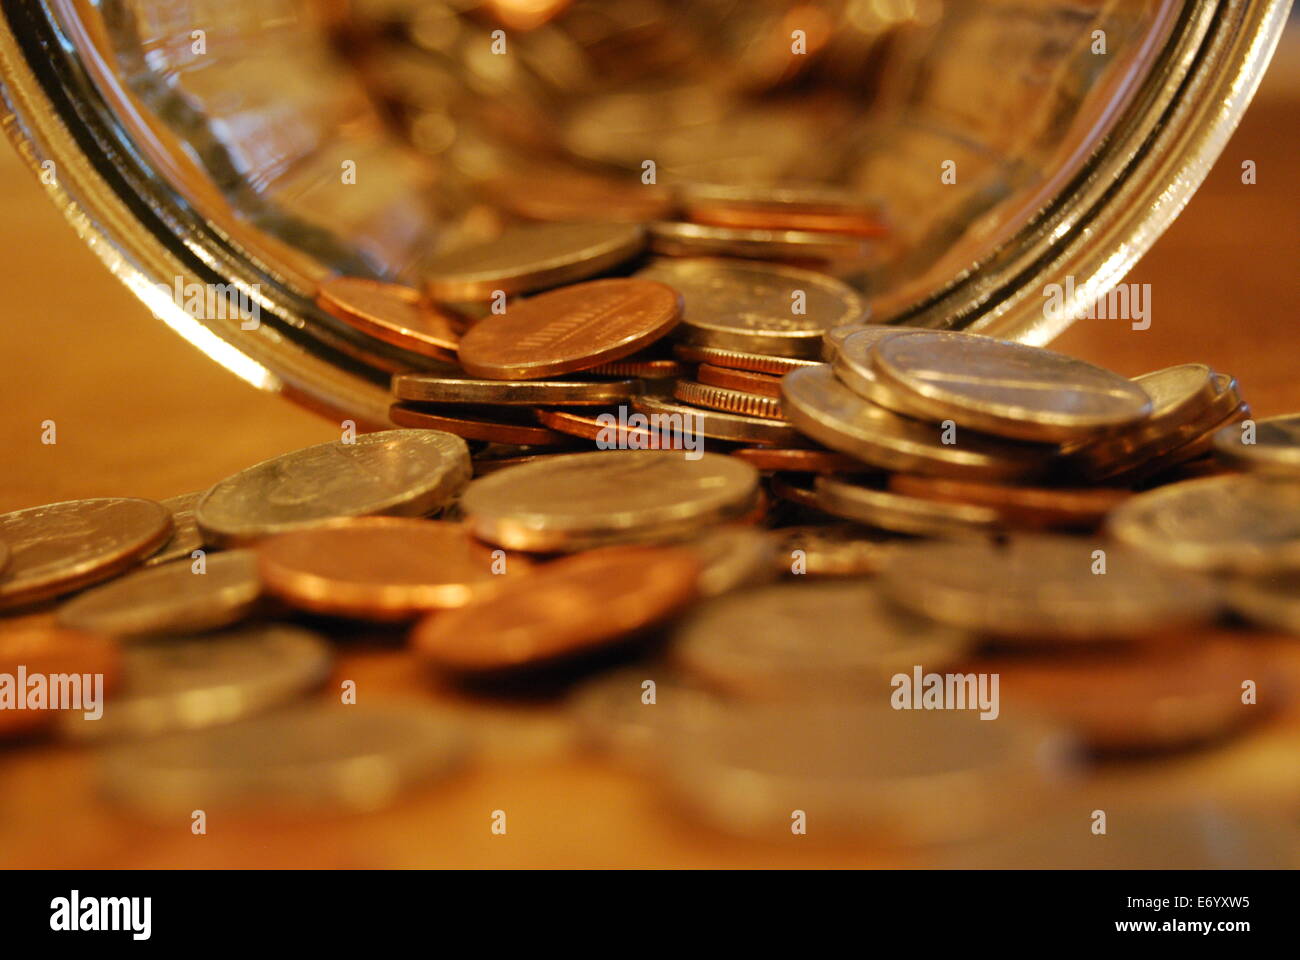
(1271, 602)
(4, 556)
(624, 436)
(782, 208)
(531, 258)
(573, 328)
(185, 538)
(833, 638)
(507, 427)
(577, 393)
(568, 196)
(895, 777)
(174, 597)
(829, 412)
(799, 461)
(62, 547)
(391, 313)
(869, 334)
(648, 368)
(381, 568)
(48, 651)
(739, 360)
(902, 514)
(1275, 447)
(719, 424)
(1038, 507)
(1199, 446)
(311, 756)
(1003, 388)
(1245, 524)
(756, 307)
(395, 472)
(731, 557)
(743, 380)
(831, 550)
(705, 240)
(613, 496)
(732, 401)
(186, 683)
(1143, 699)
(1038, 588)
(565, 609)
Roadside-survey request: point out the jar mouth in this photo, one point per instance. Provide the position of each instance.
(1005, 148)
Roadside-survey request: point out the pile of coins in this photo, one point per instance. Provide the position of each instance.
(771, 518)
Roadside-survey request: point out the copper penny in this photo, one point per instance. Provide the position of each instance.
(62, 547)
(1035, 507)
(732, 401)
(382, 568)
(493, 431)
(800, 461)
(743, 380)
(739, 360)
(45, 652)
(658, 368)
(1156, 697)
(565, 609)
(783, 209)
(391, 313)
(591, 428)
(574, 328)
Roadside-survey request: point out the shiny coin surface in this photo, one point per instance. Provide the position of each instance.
(174, 597)
(781, 208)
(744, 380)
(706, 240)
(1043, 588)
(603, 427)
(567, 608)
(720, 424)
(1006, 389)
(1023, 507)
(498, 425)
(831, 550)
(739, 360)
(1143, 699)
(62, 547)
(1239, 524)
(396, 472)
(829, 412)
(531, 258)
(573, 328)
(392, 313)
(810, 640)
(902, 514)
(610, 496)
(186, 537)
(732, 557)
(646, 368)
(751, 307)
(1271, 602)
(799, 461)
(423, 388)
(732, 401)
(311, 756)
(191, 682)
(897, 777)
(91, 661)
(868, 334)
(1275, 447)
(381, 568)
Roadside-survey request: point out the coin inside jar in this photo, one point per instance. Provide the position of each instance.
(390, 312)
(423, 388)
(382, 568)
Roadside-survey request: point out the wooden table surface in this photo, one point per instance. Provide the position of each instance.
(141, 413)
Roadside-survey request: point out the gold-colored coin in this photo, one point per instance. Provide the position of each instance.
(869, 334)
(733, 401)
(739, 360)
(832, 550)
(1005, 389)
(782, 208)
(1247, 524)
(829, 412)
(721, 425)
(496, 425)
(382, 568)
(62, 547)
(186, 537)
(424, 388)
(1190, 451)
(756, 307)
(731, 557)
(1037, 588)
(799, 461)
(568, 196)
(574, 328)
(181, 597)
(391, 313)
(1274, 446)
(393, 472)
(607, 497)
(568, 608)
(743, 380)
(648, 368)
(531, 258)
(1017, 506)
(902, 514)
(705, 240)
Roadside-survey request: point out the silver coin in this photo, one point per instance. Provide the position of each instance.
(895, 777)
(312, 756)
(1007, 389)
(174, 597)
(1247, 524)
(188, 683)
(899, 513)
(800, 640)
(186, 537)
(570, 393)
(405, 473)
(869, 335)
(1045, 588)
(719, 424)
(1276, 446)
(826, 410)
